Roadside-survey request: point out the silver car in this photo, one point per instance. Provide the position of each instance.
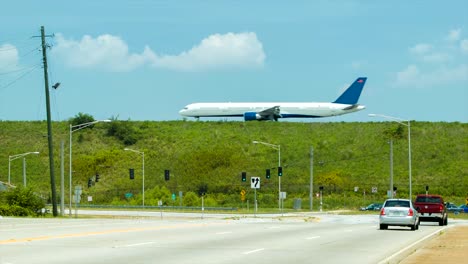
(398, 212)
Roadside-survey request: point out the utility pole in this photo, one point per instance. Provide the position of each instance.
(49, 125)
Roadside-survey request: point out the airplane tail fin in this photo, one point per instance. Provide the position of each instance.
(351, 95)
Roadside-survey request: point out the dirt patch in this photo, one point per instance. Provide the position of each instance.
(451, 246)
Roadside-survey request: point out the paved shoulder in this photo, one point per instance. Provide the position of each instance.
(450, 246)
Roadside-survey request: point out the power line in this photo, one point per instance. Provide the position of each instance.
(20, 77)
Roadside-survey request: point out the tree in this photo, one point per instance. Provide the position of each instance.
(82, 118)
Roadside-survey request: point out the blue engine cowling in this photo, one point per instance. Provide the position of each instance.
(249, 116)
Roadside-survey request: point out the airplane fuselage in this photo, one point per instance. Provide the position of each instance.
(344, 104)
(288, 110)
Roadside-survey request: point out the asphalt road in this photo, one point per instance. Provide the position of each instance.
(308, 238)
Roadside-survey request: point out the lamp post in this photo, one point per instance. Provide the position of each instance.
(277, 147)
(408, 124)
(17, 156)
(143, 171)
(73, 129)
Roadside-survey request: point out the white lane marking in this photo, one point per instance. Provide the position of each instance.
(348, 230)
(273, 227)
(253, 251)
(314, 237)
(224, 233)
(136, 245)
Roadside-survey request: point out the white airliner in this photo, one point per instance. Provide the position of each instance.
(345, 104)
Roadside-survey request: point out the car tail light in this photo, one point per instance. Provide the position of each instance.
(382, 211)
(410, 212)
(441, 208)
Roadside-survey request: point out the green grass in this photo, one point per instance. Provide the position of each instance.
(212, 155)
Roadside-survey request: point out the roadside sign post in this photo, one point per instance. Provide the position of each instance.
(160, 207)
(282, 197)
(255, 184)
(202, 206)
(77, 199)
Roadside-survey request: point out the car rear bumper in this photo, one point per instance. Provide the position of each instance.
(431, 217)
(398, 220)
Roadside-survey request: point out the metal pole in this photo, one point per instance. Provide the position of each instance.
(321, 200)
(70, 174)
(279, 178)
(24, 172)
(9, 169)
(391, 168)
(311, 186)
(409, 159)
(143, 154)
(255, 199)
(62, 178)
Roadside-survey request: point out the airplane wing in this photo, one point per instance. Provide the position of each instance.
(270, 113)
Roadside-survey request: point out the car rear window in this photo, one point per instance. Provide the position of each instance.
(397, 204)
(428, 199)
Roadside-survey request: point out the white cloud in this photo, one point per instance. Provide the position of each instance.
(106, 51)
(426, 52)
(8, 57)
(420, 49)
(413, 76)
(454, 35)
(436, 57)
(112, 53)
(441, 64)
(228, 50)
(464, 46)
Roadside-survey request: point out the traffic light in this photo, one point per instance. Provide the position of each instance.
(280, 171)
(90, 182)
(97, 177)
(166, 175)
(244, 176)
(321, 188)
(268, 173)
(427, 188)
(132, 173)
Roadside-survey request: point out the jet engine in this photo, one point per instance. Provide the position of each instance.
(249, 116)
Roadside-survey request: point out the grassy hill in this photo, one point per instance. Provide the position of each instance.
(210, 156)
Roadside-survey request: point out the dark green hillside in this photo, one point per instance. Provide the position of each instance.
(210, 156)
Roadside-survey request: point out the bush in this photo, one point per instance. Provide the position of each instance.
(23, 202)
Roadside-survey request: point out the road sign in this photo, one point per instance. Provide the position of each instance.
(242, 193)
(255, 182)
(173, 196)
(283, 195)
(374, 189)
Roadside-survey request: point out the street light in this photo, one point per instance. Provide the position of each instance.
(17, 156)
(73, 129)
(143, 169)
(408, 124)
(278, 147)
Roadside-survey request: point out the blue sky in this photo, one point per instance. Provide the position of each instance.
(145, 60)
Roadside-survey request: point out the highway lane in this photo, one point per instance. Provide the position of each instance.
(316, 238)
